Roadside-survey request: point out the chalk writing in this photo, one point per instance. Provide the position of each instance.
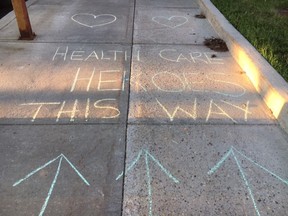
(173, 55)
(233, 152)
(92, 21)
(245, 109)
(195, 82)
(148, 157)
(222, 112)
(73, 111)
(170, 22)
(214, 109)
(156, 80)
(76, 79)
(229, 85)
(103, 107)
(111, 72)
(57, 53)
(65, 53)
(40, 105)
(107, 108)
(178, 108)
(87, 110)
(60, 157)
(106, 81)
(136, 80)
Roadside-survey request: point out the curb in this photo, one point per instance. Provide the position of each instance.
(268, 83)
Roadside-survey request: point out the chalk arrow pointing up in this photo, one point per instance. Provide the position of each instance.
(148, 157)
(232, 152)
(60, 157)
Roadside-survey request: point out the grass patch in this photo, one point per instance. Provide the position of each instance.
(264, 25)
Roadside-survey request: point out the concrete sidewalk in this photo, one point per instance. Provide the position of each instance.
(117, 108)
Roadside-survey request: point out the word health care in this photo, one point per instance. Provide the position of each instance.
(170, 55)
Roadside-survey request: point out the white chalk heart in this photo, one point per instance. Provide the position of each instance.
(91, 20)
(171, 22)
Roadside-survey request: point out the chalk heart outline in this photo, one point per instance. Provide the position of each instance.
(158, 20)
(114, 18)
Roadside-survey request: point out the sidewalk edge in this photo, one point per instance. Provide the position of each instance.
(269, 84)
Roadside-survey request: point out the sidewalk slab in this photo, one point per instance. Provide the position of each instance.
(84, 24)
(96, 152)
(198, 140)
(170, 177)
(167, 3)
(170, 25)
(191, 84)
(63, 83)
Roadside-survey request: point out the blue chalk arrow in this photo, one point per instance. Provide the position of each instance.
(232, 152)
(60, 157)
(148, 156)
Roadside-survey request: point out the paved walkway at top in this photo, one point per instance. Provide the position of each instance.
(117, 108)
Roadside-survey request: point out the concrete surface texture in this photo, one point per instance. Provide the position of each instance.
(52, 170)
(74, 23)
(191, 84)
(118, 108)
(170, 25)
